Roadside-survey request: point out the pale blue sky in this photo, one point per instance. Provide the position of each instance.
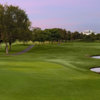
(69, 14)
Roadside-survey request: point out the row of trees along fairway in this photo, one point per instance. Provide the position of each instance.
(62, 35)
(14, 25)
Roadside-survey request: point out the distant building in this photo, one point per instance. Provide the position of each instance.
(88, 32)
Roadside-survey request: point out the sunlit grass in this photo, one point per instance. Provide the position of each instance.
(50, 72)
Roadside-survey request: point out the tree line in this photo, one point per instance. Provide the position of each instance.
(15, 25)
(61, 35)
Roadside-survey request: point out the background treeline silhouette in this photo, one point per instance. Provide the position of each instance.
(61, 35)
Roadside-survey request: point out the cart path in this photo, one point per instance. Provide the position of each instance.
(24, 51)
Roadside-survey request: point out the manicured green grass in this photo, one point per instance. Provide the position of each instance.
(50, 72)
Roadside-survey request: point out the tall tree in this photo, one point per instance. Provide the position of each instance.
(14, 24)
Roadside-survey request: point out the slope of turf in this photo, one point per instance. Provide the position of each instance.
(50, 72)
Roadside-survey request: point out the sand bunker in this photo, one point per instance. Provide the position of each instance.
(96, 57)
(97, 70)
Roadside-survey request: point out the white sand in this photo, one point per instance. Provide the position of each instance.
(95, 70)
(97, 57)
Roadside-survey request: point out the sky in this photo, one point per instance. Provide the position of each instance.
(74, 15)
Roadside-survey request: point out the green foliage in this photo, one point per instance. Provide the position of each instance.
(55, 34)
(89, 38)
(14, 25)
(61, 35)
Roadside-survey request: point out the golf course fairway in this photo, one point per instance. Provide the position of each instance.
(50, 72)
